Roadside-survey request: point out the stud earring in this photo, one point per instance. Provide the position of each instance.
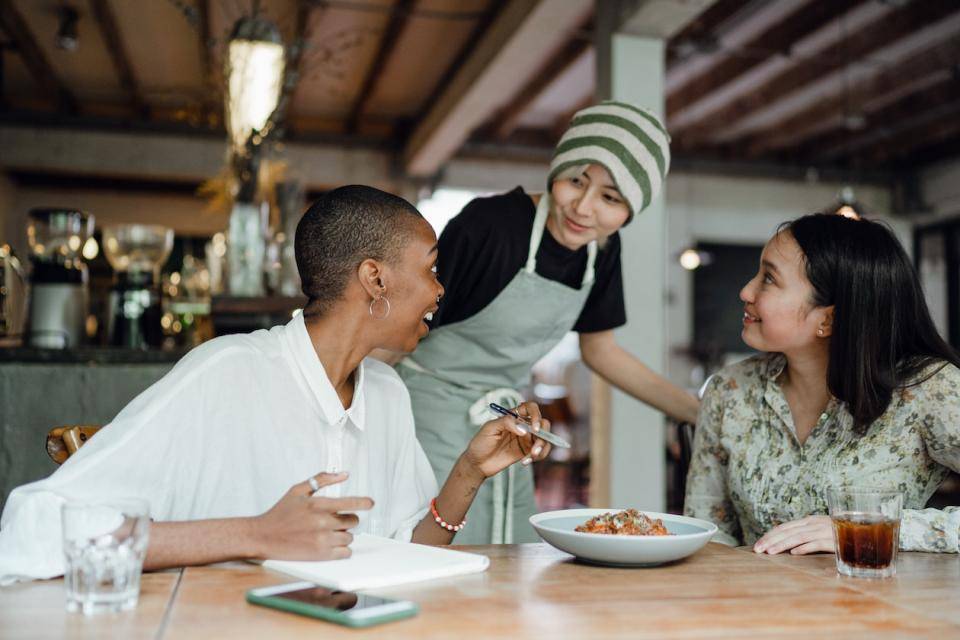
(819, 332)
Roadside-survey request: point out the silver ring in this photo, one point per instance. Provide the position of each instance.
(314, 484)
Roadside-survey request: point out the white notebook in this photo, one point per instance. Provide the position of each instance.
(383, 562)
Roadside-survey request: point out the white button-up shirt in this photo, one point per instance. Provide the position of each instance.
(226, 433)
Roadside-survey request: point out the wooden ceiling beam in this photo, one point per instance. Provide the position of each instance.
(561, 124)
(886, 124)
(945, 148)
(179, 156)
(4, 47)
(930, 130)
(926, 67)
(557, 65)
(731, 35)
(206, 40)
(399, 17)
(844, 80)
(517, 41)
(470, 44)
(881, 32)
(702, 29)
(17, 31)
(654, 18)
(107, 22)
(794, 26)
(292, 70)
(210, 106)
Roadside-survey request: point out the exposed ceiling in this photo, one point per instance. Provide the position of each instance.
(868, 84)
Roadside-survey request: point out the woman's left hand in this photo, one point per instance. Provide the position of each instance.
(806, 535)
(504, 441)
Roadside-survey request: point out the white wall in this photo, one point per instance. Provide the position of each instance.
(940, 186)
(940, 189)
(488, 176)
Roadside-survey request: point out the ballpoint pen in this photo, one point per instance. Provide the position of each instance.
(552, 438)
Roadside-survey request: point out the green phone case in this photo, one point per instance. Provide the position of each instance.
(324, 613)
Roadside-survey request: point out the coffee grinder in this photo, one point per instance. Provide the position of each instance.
(58, 282)
(136, 252)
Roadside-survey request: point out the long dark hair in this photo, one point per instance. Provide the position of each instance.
(883, 338)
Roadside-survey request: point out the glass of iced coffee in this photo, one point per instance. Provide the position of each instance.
(866, 530)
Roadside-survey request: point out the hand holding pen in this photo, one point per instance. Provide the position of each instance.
(515, 437)
(552, 438)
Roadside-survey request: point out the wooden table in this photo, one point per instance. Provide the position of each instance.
(534, 591)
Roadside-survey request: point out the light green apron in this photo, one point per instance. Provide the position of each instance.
(460, 368)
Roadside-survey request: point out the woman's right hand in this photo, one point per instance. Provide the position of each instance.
(303, 527)
(500, 443)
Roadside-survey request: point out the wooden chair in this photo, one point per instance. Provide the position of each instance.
(63, 442)
(686, 433)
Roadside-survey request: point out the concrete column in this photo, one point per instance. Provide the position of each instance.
(631, 68)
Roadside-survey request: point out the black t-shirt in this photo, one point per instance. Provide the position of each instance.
(484, 247)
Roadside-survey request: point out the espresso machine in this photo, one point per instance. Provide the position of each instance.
(58, 281)
(136, 252)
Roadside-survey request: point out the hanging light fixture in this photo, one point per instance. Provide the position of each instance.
(693, 258)
(253, 69)
(690, 259)
(254, 72)
(847, 204)
(68, 38)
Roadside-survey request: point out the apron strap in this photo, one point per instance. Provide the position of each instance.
(502, 527)
(536, 235)
(591, 260)
(503, 483)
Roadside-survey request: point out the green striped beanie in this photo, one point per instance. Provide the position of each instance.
(628, 141)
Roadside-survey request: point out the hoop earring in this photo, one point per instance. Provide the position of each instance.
(385, 313)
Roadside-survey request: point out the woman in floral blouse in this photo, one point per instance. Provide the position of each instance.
(855, 387)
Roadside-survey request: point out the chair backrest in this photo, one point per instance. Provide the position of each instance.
(686, 432)
(62, 442)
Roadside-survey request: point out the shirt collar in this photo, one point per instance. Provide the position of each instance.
(773, 394)
(774, 397)
(774, 366)
(308, 362)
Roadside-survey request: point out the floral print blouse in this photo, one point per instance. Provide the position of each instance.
(749, 471)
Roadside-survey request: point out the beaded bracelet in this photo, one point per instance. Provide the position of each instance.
(443, 523)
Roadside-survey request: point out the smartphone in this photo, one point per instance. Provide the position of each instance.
(342, 607)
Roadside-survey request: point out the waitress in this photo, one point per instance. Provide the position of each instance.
(519, 273)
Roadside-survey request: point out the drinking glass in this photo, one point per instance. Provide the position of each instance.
(104, 544)
(866, 530)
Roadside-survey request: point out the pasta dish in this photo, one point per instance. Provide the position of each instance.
(629, 522)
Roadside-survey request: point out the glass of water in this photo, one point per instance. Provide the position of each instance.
(104, 544)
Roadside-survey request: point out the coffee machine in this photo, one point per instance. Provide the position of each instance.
(58, 281)
(136, 252)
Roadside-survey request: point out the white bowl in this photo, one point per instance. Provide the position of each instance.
(557, 529)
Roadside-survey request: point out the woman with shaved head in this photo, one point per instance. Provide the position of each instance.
(283, 443)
